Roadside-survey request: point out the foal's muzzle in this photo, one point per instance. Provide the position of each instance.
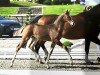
(71, 23)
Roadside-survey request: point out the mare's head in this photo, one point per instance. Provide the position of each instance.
(87, 8)
(95, 12)
(65, 17)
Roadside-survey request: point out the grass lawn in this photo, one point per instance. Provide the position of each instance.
(49, 9)
(58, 9)
(6, 11)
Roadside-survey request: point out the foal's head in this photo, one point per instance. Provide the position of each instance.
(68, 18)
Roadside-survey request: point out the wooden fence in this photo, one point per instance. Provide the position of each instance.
(28, 14)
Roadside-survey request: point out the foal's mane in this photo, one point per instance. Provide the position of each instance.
(58, 19)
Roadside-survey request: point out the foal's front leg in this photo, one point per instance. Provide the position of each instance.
(67, 50)
(49, 53)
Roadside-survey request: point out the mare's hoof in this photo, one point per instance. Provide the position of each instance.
(89, 63)
(98, 59)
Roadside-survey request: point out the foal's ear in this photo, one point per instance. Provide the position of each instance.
(68, 12)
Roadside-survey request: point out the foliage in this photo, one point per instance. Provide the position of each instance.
(4, 2)
(40, 1)
(47, 2)
(23, 4)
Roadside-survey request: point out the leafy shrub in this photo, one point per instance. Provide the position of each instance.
(55, 2)
(4, 2)
(40, 1)
(47, 2)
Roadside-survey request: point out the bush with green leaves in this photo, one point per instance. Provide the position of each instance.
(40, 1)
(47, 2)
(4, 2)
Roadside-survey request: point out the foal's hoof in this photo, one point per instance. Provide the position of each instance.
(41, 62)
(45, 58)
(36, 60)
(71, 63)
(11, 66)
(47, 66)
(98, 59)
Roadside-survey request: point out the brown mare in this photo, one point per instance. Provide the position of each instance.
(52, 32)
(86, 26)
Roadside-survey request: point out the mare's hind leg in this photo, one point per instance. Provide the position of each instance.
(21, 44)
(62, 46)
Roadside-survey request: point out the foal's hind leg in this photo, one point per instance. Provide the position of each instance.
(21, 44)
(29, 46)
(35, 47)
(41, 43)
(62, 46)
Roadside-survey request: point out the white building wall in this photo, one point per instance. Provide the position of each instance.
(92, 2)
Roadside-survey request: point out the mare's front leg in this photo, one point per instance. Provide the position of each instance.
(87, 45)
(97, 41)
(67, 50)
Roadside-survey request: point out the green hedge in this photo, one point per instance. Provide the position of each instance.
(4, 2)
(47, 2)
(55, 2)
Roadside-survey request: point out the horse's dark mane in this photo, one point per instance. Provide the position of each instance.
(91, 14)
(95, 7)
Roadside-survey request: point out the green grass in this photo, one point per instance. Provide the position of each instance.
(58, 9)
(49, 9)
(7, 11)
